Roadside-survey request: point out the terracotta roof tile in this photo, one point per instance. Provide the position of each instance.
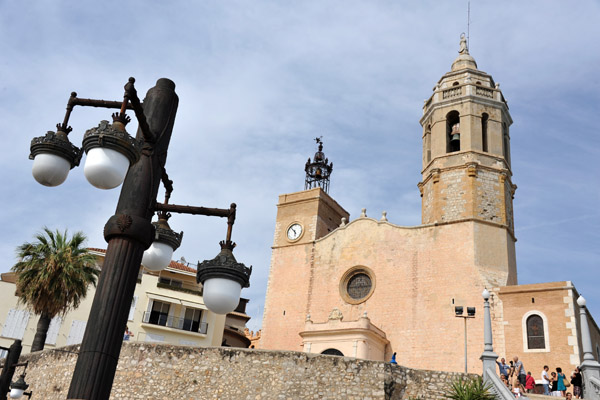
(182, 267)
(173, 264)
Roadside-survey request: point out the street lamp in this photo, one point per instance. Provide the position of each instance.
(18, 388)
(114, 157)
(458, 312)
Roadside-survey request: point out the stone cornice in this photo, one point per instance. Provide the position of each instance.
(431, 106)
(417, 227)
(466, 165)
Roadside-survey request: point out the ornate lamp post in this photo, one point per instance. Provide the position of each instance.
(590, 368)
(113, 155)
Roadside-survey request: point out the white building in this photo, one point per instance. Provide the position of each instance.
(167, 307)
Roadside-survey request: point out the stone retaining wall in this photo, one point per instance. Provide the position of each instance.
(154, 371)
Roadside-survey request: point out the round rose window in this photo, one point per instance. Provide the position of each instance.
(359, 286)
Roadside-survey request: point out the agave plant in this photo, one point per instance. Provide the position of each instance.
(470, 389)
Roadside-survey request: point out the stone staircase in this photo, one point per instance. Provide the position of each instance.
(532, 396)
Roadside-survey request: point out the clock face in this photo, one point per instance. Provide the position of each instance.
(294, 231)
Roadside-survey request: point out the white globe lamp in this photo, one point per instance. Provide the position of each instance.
(110, 151)
(158, 256)
(221, 295)
(223, 279)
(53, 157)
(105, 168)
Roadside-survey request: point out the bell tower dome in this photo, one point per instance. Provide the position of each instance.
(466, 171)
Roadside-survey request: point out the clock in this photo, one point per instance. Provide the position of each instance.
(294, 231)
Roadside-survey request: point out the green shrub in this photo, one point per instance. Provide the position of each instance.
(470, 389)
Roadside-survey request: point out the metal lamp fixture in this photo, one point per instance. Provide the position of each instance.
(166, 241)
(18, 388)
(53, 156)
(114, 157)
(110, 151)
(222, 279)
(109, 148)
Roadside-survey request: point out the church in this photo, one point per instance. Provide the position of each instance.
(368, 288)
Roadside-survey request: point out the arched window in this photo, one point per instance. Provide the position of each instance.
(535, 332)
(332, 352)
(452, 131)
(484, 134)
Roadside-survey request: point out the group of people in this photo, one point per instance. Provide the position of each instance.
(556, 383)
(513, 375)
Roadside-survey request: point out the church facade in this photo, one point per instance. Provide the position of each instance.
(368, 288)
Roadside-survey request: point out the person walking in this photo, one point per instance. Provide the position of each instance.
(393, 360)
(577, 382)
(560, 381)
(529, 383)
(546, 381)
(553, 385)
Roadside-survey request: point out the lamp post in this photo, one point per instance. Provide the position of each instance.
(458, 312)
(488, 357)
(111, 156)
(590, 368)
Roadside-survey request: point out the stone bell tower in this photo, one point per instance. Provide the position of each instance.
(466, 148)
(466, 164)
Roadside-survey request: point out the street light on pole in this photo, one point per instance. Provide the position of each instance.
(114, 157)
(458, 312)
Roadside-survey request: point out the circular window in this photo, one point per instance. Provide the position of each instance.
(357, 285)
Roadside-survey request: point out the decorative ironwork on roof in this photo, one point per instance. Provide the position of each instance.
(318, 170)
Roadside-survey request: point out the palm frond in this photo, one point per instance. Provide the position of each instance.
(54, 272)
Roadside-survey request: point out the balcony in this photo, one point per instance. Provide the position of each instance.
(183, 324)
(179, 286)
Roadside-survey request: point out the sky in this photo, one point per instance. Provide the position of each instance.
(259, 80)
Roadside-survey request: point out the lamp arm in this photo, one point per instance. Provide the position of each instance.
(131, 95)
(209, 212)
(167, 183)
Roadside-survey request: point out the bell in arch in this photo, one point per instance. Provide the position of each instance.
(455, 134)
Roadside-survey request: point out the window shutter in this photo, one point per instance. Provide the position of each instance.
(132, 309)
(76, 332)
(53, 329)
(15, 324)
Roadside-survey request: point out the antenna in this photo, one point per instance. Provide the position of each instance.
(468, 23)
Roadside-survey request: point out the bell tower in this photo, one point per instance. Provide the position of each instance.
(466, 171)
(302, 219)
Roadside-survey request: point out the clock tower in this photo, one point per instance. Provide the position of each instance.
(302, 218)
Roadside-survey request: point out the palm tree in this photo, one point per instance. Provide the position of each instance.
(53, 274)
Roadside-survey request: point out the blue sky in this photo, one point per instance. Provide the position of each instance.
(258, 80)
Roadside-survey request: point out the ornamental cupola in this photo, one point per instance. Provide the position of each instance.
(318, 170)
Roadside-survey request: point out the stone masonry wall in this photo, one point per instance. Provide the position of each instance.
(153, 371)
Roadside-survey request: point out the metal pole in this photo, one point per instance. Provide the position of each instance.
(128, 233)
(488, 357)
(590, 368)
(12, 358)
(465, 345)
